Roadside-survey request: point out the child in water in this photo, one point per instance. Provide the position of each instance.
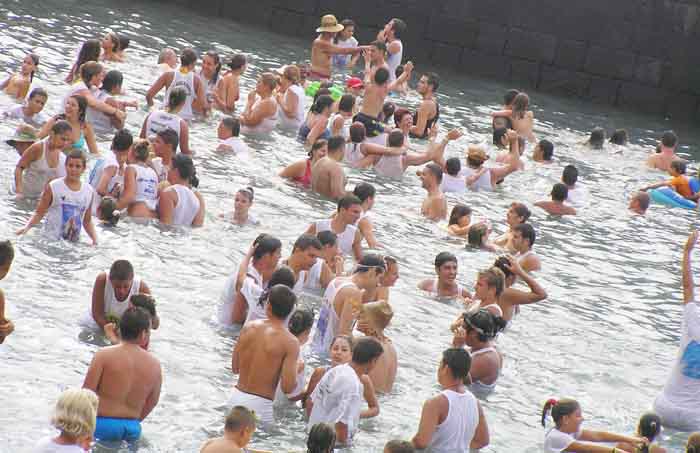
(75, 417)
(238, 430)
(649, 427)
(7, 255)
(107, 212)
(679, 181)
(17, 85)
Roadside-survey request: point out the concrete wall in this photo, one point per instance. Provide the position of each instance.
(641, 55)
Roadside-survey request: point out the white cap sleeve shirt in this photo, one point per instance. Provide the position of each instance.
(556, 441)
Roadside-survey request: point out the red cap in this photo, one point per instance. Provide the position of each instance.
(354, 82)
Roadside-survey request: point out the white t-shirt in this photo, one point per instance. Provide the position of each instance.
(556, 441)
(337, 398)
(47, 445)
(237, 145)
(342, 60)
(17, 113)
(577, 196)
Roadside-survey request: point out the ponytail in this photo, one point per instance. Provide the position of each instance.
(559, 409)
(547, 408)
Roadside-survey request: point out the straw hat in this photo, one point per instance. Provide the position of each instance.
(477, 153)
(23, 134)
(377, 314)
(329, 24)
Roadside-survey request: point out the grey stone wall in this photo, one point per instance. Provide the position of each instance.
(641, 55)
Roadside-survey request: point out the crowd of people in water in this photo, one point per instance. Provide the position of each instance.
(357, 123)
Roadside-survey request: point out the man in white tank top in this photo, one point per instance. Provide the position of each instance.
(310, 271)
(523, 239)
(394, 46)
(453, 421)
(343, 225)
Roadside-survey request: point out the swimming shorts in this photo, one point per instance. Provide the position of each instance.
(262, 407)
(110, 428)
(372, 125)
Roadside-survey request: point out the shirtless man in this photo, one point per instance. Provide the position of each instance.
(390, 35)
(434, 206)
(323, 48)
(556, 205)
(343, 225)
(662, 160)
(265, 356)
(517, 213)
(523, 239)
(429, 111)
(127, 379)
(374, 59)
(327, 176)
(639, 203)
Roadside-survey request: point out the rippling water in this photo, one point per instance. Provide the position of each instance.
(606, 336)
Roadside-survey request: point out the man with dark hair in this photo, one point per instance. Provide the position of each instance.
(327, 176)
(228, 134)
(576, 193)
(523, 239)
(343, 225)
(127, 378)
(310, 271)
(639, 203)
(429, 111)
(453, 420)
(374, 59)
(434, 206)
(366, 193)
(556, 205)
(165, 147)
(661, 160)
(391, 36)
(543, 152)
(338, 397)
(265, 356)
(112, 291)
(508, 98)
(517, 213)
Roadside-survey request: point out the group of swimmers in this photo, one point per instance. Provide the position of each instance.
(154, 177)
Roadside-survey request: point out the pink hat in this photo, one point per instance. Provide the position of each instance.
(354, 82)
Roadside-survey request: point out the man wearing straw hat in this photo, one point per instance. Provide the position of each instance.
(323, 48)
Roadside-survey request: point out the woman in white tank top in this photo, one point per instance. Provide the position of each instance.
(140, 184)
(43, 161)
(68, 202)
(292, 104)
(209, 74)
(179, 204)
(169, 117)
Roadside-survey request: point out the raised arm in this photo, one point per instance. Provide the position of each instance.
(536, 294)
(686, 269)
(407, 69)
(513, 159)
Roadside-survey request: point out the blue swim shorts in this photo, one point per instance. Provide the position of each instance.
(109, 428)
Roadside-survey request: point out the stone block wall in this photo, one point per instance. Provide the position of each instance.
(639, 55)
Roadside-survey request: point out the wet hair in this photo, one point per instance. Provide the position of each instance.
(76, 154)
(369, 261)
(503, 263)
(486, 324)
(398, 71)
(301, 321)
(399, 26)
(61, 126)
(510, 96)
(318, 144)
(527, 232)
(75, 414)
(399, 446)
(597, 138)
(292, 73)
(185, 167)
(346, 103)
(35, 60)
(570, 175)
(365, 350)
(521, 210)
(321, 103)
(559, 409)
(327, 238)
(121, 271)
(547, 149)
(169, 136)
(321, 439)
(520, 105)
(124, 42)
(248, 192)
(357, 132)
(396, 138)
(453, 166)
(115, 40)
(669, 139)
(364, 190)
(283, 275)
(458, 361)
(475, 236)
(176, 97)
(7, 252)
(444, 257)
(336, 143)
(693, 445)
(306, 241)
(458, 212)
(82, 108)
(266, 244)
(347, 201)
(108, 211)
(433, 80)
(188, 57)
(89, 70)
(679, 165)
(142, 149)
(619, 137)
(508, 123)
(399, 114)
(217, 65)
(145, 301)
(560, 192)
(281, 301)
(269, 80)
(89, 51)
(232, 124)
(494, 279)
(112, 80)
(498, 135)
(649, 426)
(238, 419)
(388, 110)
(237, 61)
(134, 321)
(38, 91)
(122, 140)
(381, 76)
(322, 91)
(436, 170)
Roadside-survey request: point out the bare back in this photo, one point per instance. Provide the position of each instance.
(328, 178)
(373, 100)
(383, 374)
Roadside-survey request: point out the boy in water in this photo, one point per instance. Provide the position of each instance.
(145, 301)
(7, 255)
(679, 181)
(238, 430)
(556, 206)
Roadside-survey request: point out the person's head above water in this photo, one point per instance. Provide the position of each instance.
(395, 139)
(357, 132)
(240, 423)
(267, 251)
(459, 212)
(75, 415)
(188, 58)
(281, 301)
(678, 167)
(321, 439)
(349, 209)
(183, 171)
(121, 277)
(482, 326)
(231, 127)
(565, 412)
(569, 176)
(176, 99)
(366, 193)
(476, 156)
(500, 137)
(520, 104)
(135, 326)
(524, 236)
(7, 255)
(446, 266)
(509, 97)
(336, 145)
(454, 366)
(669, 141)
(693, 444)
(399, 446)
(559, 192)
(366, 352)
(453, 166)
(597, 138)
(431, 175)
(168, 56)
(107, 211)
(639, 203)
(544, 151)
(381, 76)
(619, 137)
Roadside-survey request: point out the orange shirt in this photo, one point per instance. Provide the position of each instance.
(681, 185)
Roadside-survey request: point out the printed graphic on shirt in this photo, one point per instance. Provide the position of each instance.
(691, 360)
(71, 221)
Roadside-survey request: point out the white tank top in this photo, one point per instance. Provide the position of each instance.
(114, 307)
(456, 432)
(454, 184)
(185, 81)
(159, 120)
(65, 217)
(353, 155)
(327, 323)
(100, 122)
(484, 181)
(209, 87)
(345, 239)
(146, 186)
(390, 166)
(394, 60)
(35, 177)
(310, 279)
(187, 205)
(79, 85)
(345, 130)
(293, 123)
(265, 126)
